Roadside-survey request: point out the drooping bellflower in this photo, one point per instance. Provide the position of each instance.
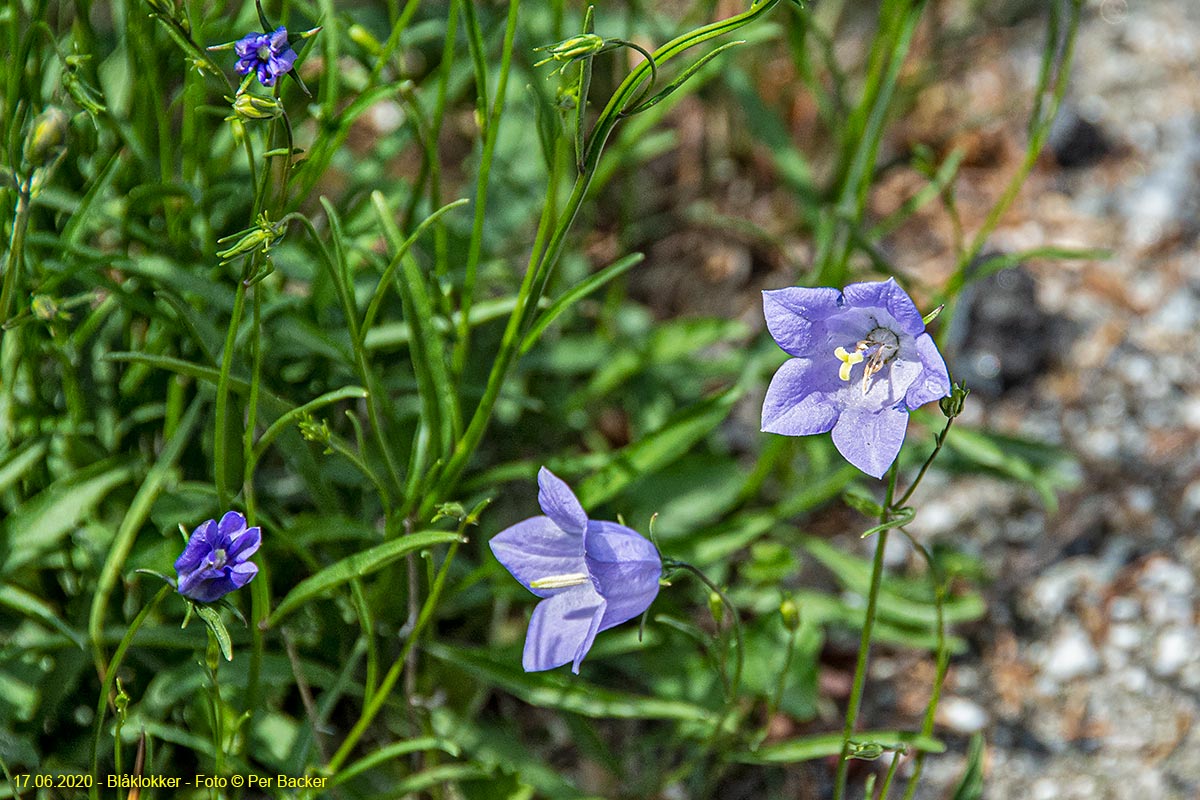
(268, 54)
(862, 361)
(216, 558)
(591, 575)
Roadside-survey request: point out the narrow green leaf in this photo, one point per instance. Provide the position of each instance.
(971, 785)
(901, 601)
(33, 607)
(394, 750)
(136, 516)
(427, 350)
(684, 77)
(402, 250)
(281, 424)
(550, 690)
(20, 462)
(824, 745)
(658, 449)
(397, 334)
(39, 525)
(577, 293)
(997, 263)
(356, 566)
(434, 776)
(903, 516)
(212, 618)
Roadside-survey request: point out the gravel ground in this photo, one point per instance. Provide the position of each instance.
(1085, 676)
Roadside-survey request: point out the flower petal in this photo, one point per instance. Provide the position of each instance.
(794, 317)
(246, 46)
(889, 296)
(562, 629)
(278, 39)
(624, 566)
(559, 503)
(241, 574)
(538, 548)
(230, 526)
(801, 399)
(199, 545)
(245, 544)
(870, 439)
(934, 382)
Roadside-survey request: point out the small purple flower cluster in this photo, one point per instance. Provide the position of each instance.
(216, 559)
(267, 54)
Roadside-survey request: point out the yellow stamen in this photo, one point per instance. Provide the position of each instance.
(560, 581)
(848, 361)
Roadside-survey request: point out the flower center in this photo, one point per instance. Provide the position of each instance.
(217, 559)
(560, 581)
(264, 52)
(878, 349)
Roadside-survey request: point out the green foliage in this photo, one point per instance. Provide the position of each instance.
(356, 314)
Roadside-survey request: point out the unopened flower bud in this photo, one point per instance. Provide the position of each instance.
(44, 307)
(790, 613)
(585, 44)
(364, 39)
(716, 607)
(952, 404)
(867, 751)
(47, 136)
(251, 106)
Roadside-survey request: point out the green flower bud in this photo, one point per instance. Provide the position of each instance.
(866, 751)
(790, 613)
(47, 136)
(716, 607)
(952, 405)
(364, 39)
(44, 307)
(251, 106)
(585, 44)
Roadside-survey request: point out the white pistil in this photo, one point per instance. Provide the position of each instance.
(560, 581)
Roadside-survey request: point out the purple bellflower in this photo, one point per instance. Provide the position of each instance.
(862, 361)
(266, 53)
(591, 575)
(216, 559)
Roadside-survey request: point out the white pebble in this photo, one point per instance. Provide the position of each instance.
(962, 715)
(1174, 648)
(1124, 637)
(1070, 656)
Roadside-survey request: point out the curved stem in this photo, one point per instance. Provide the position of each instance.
(864, 645)
(939, 440)
(736, 683)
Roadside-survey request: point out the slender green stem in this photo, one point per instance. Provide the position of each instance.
(939, 440)
(1041, 122)
(212, 656)
(491, 133)
(16, 250)
(864, 646)
(222, 403)
(942, 657)
(110, 676)
(781, 682)
(891, 775)
(380, 697)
